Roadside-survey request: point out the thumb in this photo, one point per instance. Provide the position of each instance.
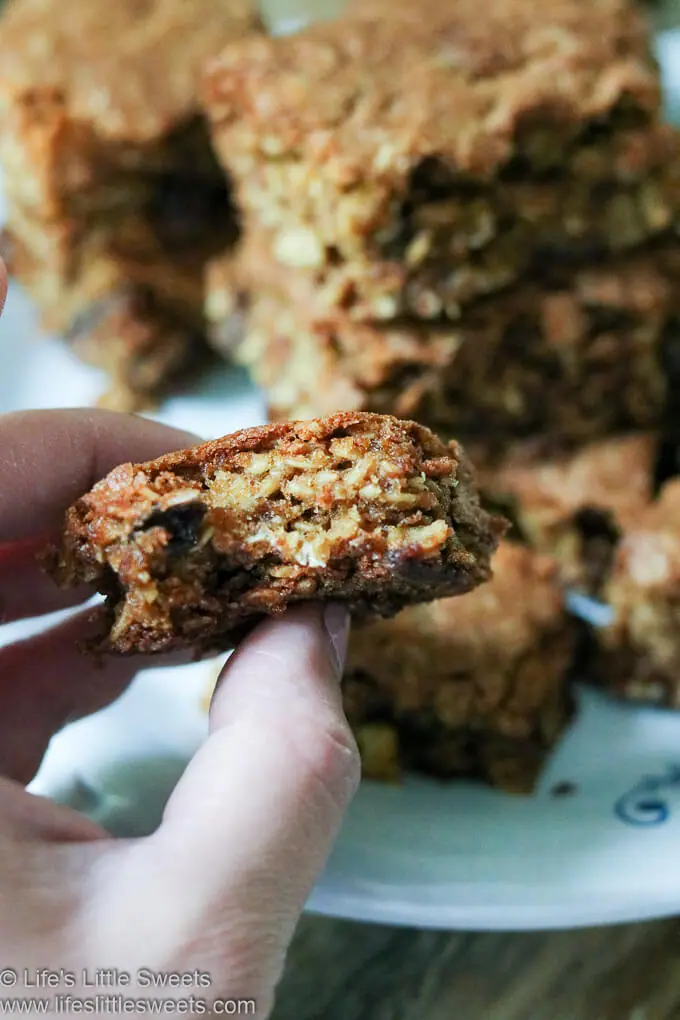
(250, 825)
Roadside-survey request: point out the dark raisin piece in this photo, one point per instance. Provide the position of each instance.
(183, 524)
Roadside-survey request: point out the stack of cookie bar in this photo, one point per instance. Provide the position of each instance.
(468, 215)
(115, 199)
(609, 516)
(447, 209)
(475, 686)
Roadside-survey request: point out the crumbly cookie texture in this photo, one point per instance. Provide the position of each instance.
(459, 243)
(467, 687)
(194, 547)
(522, 79)
(113, 190)
(458, 213)
(139, 320)
(575, 507)
(91, 94)
(146, 349)
(638, 655)
(567, 360)
(416, 157)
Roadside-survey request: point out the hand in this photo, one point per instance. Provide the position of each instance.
(220, 885)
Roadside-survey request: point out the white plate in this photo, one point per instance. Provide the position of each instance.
(424, 854)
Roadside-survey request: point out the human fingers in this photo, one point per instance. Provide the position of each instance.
(28, 817)
(50, 458)
(251, 823)
(25, 588)
(47, 681)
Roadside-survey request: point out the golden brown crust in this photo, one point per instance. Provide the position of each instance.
(406, 136)
(331, 93)
(95, 96)
(199, 544)
(130, 68)
(471, 686)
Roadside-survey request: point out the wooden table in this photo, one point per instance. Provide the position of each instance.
(345, 971)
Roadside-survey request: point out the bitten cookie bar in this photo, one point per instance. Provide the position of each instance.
(638, 655)
(467, 687)
(192, 548)
(575, 507)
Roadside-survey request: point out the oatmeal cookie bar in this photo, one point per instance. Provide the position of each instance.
(192, 548)
(138, 319)
(111, 182)
(637, 655)
(415, 156)
(565, 362)
(98, 266)
(467, 687)
(559, 226)
(576, 506)
(144, 348)
(99, 99)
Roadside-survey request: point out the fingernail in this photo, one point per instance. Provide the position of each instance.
(336, 621)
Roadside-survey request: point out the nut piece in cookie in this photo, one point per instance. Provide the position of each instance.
(193, 548)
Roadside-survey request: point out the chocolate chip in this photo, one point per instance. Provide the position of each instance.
(599, 538)
(604, 319)
(560, 255)
(596, 130)
(518, 168)
(431, 179)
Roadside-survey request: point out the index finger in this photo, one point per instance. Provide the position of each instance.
(50, 458)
